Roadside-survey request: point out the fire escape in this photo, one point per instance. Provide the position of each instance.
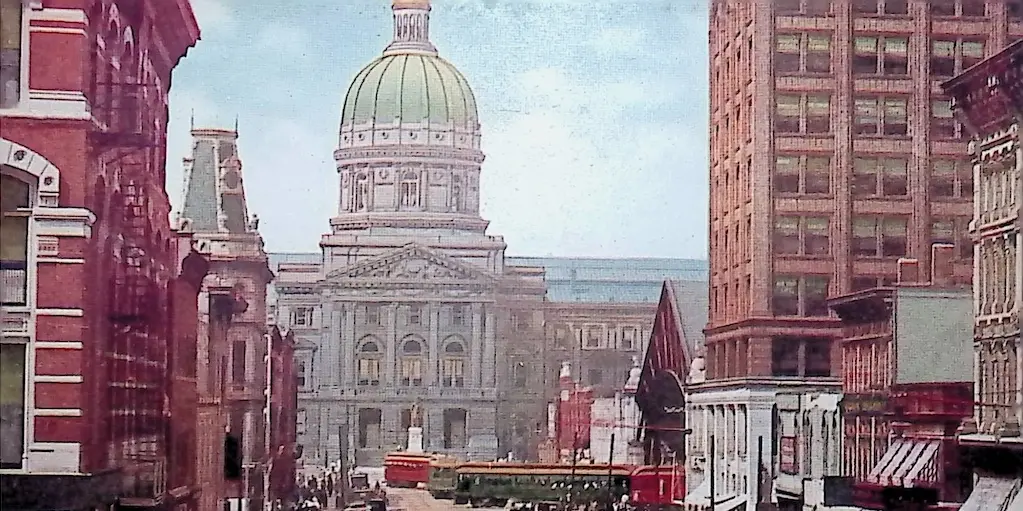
(131, 143)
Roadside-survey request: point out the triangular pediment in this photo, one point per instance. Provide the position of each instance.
(413, 263)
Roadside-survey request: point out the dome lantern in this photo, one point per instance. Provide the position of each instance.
(411, 28)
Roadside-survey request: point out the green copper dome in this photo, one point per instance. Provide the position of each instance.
(410, 88)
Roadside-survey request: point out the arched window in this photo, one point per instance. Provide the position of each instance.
(412, 354)
(453, 365)
(409, 191)
(368, 362)
(360, 197)
(16, 208)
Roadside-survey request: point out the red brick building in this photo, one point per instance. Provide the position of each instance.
(88, 255)
(907, 385)
(833, 153)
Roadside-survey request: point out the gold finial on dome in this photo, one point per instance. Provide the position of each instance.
(411, 4)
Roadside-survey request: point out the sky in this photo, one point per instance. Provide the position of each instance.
(594, 114)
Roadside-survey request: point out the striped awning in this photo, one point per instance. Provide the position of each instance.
(907, 463)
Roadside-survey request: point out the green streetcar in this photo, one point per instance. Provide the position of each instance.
(443, 477)
(494, 484)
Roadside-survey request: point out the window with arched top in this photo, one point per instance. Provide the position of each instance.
(453, 363)
(360, 195)
(411, 362)
(456, 193)
(409, 190)
(368, 356)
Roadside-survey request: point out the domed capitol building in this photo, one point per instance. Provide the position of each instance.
(412, 303)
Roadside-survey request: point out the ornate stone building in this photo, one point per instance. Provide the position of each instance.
(413, 302)
(989, 100)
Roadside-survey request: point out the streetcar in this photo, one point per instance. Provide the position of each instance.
(494, 484)
(443, 477)
(657, 488)
(406, 470)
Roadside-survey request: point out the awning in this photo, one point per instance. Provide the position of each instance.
(906, 463)
(992, 493)
(697, 499)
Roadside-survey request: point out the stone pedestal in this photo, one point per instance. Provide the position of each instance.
(415, 439)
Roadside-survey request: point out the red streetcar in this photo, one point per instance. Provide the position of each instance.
(406, 470)
(657, 488)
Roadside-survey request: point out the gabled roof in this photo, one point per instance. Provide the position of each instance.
(676, 336)
(413, 263)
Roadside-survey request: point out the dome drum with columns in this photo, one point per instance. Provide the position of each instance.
(409, 144)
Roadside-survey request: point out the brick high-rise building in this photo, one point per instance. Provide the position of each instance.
(833, 153)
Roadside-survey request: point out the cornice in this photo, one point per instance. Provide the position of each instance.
(407, 154)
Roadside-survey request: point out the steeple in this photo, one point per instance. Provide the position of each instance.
(411, 28)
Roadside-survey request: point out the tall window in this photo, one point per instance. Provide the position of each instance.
(369, 428)
(953, 231)
(807, 113)
(879, 236)
(806, 53)
(238, 351)
(880, 177)
(881, 116)
(453, 369)
(951, 179)
(458, 314)
(943, 123)
(15, 210)
(412, 363)
(881, 55)
(414, 314)
(811, 7)
(802, 174)
(368, 363)
(409, 190)
(455, 429)
(12, 404)
(808, 236)
(520, 374)
(10, 52)
(800, 296)
(628, 339)
(957, 7)
(360, 200)
(371, 315)
(950, 57)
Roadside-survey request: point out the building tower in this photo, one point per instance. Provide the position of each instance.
(232, 356)
(833, 153)
(409, 302)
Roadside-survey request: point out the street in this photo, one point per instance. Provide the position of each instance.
(404, 499)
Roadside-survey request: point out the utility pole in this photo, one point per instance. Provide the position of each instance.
(610, 472)
(710, 498)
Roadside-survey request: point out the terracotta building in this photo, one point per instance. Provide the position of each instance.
(988, 99)
(907, 384)
(89, 262)
(233, 354)
(833, 153)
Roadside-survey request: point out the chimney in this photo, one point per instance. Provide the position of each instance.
(909, 271)
(942, 269)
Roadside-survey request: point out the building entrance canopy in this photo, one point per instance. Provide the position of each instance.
(995, 493)
(908, 463)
